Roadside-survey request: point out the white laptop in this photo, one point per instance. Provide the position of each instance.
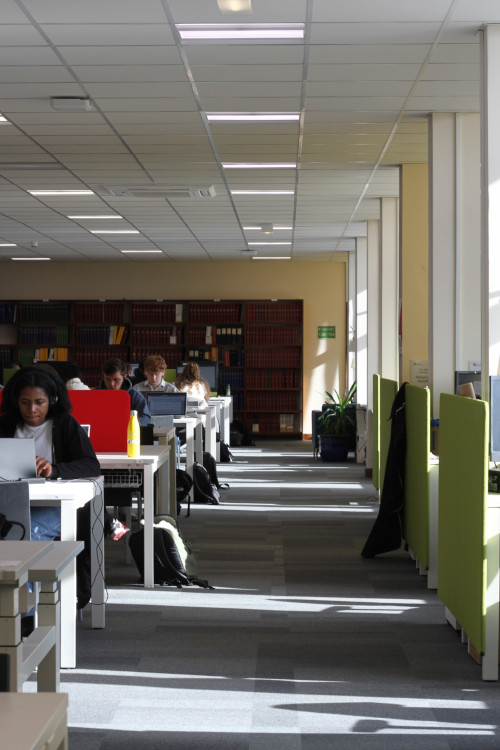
(18, 460)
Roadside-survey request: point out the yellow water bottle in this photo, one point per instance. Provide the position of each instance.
(133, 436)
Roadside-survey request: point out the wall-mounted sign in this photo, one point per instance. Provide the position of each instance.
(326, 332)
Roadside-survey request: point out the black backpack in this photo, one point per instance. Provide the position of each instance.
(210, 465)
(183, 484)
(225, 454)
(204, 491)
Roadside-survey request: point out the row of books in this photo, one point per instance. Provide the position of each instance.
(47, 354)
(271, 401)
(156, 313)
(221, 335)
(273, 358)
(273, 379)
(216, 312)
(264, 423)
(6, 354)
(171, 356)
(287, 422)
(273, 335)
(94, 357)
(273, 312)
(44, 312)
(49, 335)
(8, 312)
(111, 335)
(98, 312)
(233, 378)
(166, 336)
(238, 401)
(231, 357)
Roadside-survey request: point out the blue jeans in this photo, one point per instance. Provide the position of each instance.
(45, 524)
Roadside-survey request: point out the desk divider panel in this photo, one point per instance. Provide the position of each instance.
(376, 432)
(388, 391)
(463, 487)
(107, 412)
(417, 490)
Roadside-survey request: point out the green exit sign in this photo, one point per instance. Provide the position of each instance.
(326, 332)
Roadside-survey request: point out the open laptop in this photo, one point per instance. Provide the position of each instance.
(18, 460)
(165, 406)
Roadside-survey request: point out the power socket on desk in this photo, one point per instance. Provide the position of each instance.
(494, 480)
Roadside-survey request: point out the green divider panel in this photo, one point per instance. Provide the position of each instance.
(463, 486)
(376, 432)
(416, 502)
(388, 391)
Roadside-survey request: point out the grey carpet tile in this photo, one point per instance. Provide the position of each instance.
(303, 644)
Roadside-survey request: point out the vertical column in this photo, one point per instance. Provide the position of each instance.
(351, 320)
(373, 301)
(389, 290)
(361, 321)
(490, 178)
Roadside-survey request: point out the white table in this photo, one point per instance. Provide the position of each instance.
(34, 721)
(20, 562)
(69, 495)
(194, 440)
(167, 437)
(154, 462)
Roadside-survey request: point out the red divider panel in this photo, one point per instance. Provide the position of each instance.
(107, 412)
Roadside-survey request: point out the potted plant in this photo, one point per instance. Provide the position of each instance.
(337, 426)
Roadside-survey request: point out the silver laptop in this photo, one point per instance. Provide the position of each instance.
(18, 460)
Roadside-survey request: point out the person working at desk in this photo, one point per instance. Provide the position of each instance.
(36, 405)
(154, 369)
(114, 371)
(191, 382)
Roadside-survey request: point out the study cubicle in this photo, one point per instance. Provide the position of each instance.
(384, 393)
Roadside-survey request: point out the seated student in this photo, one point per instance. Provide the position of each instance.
(36, 405)
(73, 376)
(114, 371)
(191, 382)
(154, 369)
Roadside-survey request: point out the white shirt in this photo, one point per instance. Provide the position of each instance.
(42, 435)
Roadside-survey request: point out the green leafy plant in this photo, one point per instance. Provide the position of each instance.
(338, 416)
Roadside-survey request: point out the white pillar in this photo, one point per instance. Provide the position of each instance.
(389, 290)
(361, 322)
(490, 148)
(373, 290)
(351, 319)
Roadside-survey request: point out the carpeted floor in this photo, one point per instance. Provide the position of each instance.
(302, 645)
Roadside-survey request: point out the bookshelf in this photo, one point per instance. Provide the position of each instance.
(257, 344)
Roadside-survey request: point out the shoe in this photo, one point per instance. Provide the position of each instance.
(118, 530)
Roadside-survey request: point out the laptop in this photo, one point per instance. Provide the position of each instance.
(165, 406)
(18, 460)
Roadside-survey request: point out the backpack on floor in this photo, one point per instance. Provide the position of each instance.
(174, 561)
(210, 465)
(204, 491)
(225, 454)
(184, 484)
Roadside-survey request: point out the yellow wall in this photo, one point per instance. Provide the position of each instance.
(320, 285)
(414, 265)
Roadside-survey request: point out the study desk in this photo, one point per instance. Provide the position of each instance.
(20, 562)
(34, 721)
(167, 437)
(69, 495)
(194, 440)
(154, 462)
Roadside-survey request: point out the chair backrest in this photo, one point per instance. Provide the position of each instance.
(15, 510)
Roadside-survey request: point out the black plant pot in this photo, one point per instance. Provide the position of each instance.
(334, 447)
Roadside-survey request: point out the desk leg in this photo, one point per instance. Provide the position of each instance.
(172, 477)
(49, 615)
(190, 453)
(198, 442)
(68, 592)
(148, 526)
(97, 560)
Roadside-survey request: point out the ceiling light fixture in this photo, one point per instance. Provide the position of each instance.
(269, 243)
(252, 116)
(259, 227)
(262, 165)
(71, 103)
(238, 31)
(30, 165)
(107, 216)
(141, 251)
(114, 231)
(21, 258)
(235, 6)
(61, 192)
(262, 192)
(8, 244)
(271, 257)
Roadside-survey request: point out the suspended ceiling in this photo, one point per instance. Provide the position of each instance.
(364, 79)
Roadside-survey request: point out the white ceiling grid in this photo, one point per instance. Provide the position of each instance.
(363, 67)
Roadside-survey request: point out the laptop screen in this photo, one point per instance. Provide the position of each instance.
(17, 458)
(167, 404)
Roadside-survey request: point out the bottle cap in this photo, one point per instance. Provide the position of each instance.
(133, 413)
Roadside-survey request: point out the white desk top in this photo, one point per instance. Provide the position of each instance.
(45, 711)
(65, 489)
(150, 454)
(51, 565)
(17, 557)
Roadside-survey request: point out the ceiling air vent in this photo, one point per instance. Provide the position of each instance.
(158, 192)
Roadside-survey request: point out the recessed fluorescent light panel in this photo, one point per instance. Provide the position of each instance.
(30, 258)
(262, 165)
(271, 257)
(235, 6)
(8, 244)
(114, 231)
(237, 32)
(107, 216)
(140, 251)
(262, 192)
(3, 119)
(71, 103)
(61, 192)
(259, 227)
(252, 116)
(269, 243)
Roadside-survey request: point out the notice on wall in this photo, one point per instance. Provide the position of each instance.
(326, 332)
(419, 372)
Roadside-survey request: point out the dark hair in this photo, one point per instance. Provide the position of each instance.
(114, 365)
(36, 377)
